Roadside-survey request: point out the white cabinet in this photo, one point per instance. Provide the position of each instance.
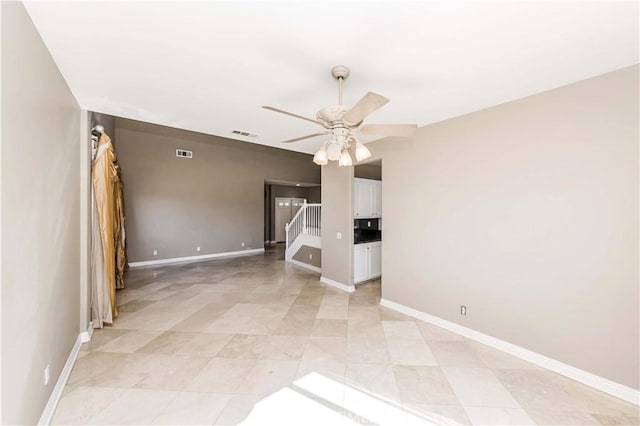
(367, 198)
(367, 261)
(360, 263)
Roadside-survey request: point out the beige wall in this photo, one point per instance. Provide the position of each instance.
(215, 200)
(337, 216)
(303, 256)
(528, 214)
(368, 171)
(40, 218)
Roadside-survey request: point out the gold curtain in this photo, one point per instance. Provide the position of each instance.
(108, 191)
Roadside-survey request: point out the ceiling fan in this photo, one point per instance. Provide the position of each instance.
(342, 124)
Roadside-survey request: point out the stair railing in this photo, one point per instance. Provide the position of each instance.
(305, 221)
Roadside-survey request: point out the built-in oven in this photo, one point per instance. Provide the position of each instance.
(366, 231)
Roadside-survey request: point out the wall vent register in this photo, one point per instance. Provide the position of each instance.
(183, 153)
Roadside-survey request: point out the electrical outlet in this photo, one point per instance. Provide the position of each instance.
(198, 248)
(310, 256)
(463, 310)
(242, 244)
(339, 235)
(46, 375)
(155, 252)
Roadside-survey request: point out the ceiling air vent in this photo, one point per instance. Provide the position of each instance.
(242, 133)
(183, 153)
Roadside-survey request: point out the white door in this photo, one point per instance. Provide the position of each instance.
(282, 217)
(360, 267)
(375, 260)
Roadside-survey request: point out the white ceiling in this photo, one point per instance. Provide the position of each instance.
(209, 66)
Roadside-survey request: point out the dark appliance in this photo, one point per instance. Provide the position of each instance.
(366, 231)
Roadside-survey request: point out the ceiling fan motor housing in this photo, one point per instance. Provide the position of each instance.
(332, 114)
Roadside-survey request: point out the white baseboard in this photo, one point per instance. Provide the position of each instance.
(336, 284)
(597, 382)
(85, 336)
(56, 393)
(305, 266)
(196, 258)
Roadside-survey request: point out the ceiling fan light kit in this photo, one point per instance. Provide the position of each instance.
(341, 123)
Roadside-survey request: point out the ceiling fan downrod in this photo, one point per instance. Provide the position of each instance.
(340, 72)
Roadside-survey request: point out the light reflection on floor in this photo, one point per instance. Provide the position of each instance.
(317, 399)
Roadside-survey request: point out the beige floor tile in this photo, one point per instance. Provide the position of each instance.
(494, 358)
(439, 414)
(455, 354)
(410, 352)
(367, 350)
(192, 408)
(498, 416)
(243, 346)
(283, 348)
(191, 336)
(295, 327)
(431, 332)
(268, 376)
(101, 337)
(549, 417)
(237, 409)
(329, 328)
(423, 385)
(479, 387)
(331, 311)
(170, 372)
(83, 403)
(401, 330)
(326, 348)
(365, 328)
(368, 312)
(221, 375)
(327, 367)
(377, 380)
(134, 407)
(129, 342)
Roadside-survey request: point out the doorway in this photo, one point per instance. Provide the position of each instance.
(285, 210)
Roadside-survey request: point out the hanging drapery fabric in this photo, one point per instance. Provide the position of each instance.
(100, 300)
(110, 213)
(121, 256)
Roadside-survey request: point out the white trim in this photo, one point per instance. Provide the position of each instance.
(56, 393)
(305, 265)
(605, 385)
(85, 336)
(336, 284)
(196, 258)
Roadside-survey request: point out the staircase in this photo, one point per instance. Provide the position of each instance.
(303, 230)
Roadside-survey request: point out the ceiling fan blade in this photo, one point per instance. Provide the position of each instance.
(292, 114)
(304, 137)
(389, 129)
(365, 106)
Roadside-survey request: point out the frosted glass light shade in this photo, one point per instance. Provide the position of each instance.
(345, 159)
(362, 152)
(333, 151)
(321, 157)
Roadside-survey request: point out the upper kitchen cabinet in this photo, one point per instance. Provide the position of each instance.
(367, 198)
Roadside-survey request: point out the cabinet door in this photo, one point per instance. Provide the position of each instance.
(360, 263)
(363, 195)
(375, 260)
(377, 198)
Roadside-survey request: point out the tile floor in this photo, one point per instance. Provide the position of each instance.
(258, 341)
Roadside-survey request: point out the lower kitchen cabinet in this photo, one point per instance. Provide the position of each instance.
(367, 261)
